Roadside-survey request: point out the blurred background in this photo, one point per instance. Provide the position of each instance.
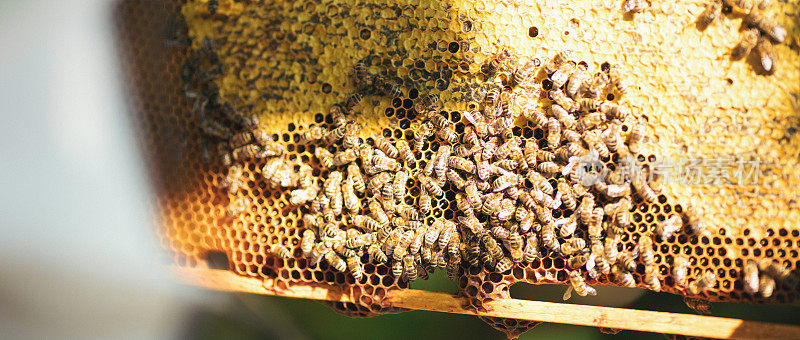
(78, 253)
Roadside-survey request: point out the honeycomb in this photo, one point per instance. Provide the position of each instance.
(289, 63)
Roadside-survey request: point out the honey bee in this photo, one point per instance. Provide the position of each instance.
(579, 285)
(493, 249)
(425, 202)
(549, 237)
(706, 281)
(349, 197)
(424, 131)
(462, 164)
(622, 215)
(625, 260)
(387, 147)
(531, 251)
(666, 228)
(766, 24)
(452, 267)
(493, 65)
(238, 206)
(354, 174)
(409, 268)
(281, 251)
(774, 269)
(354, 239)
(387, 198)
(624, 278)
(447, 135)
(397, 269)
(693, 219)
(463, 151)
(430, 186)
(377, 213)
(332, 184)
(698, 305)
(766, 285)
(548, 168)
(560, 58)
(376, 254)
(645, 250)
(405, 151)
(615, 74)
(536, 116)
(680, 267)
(523, 73)
(382, 163)
(563, 73)
(352, 100)
(324, 156)
(441, 159)
(301, 196)
(610, 249)
(573, 246)
(746, 44)
(553, 133)
(376, 182)
(503, 182)
(503, 265)
(710, 13)
(390, 89)
(307, 242)
(577, 80)
(601, 262)
(345, 157)
(426, 102)
(448, 231)
(560, 98)
(354, 265)
(245, 152)
(439, 121)
(590, 121)
(651, 278)
(750, 277)
(766, 54)
(577, 261)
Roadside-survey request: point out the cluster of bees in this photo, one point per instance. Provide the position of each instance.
(761, 30)
(517, 198)
(392, 230)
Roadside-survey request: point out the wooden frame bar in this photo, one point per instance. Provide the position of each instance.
(595, 316)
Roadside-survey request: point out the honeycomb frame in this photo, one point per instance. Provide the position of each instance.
(189, 205)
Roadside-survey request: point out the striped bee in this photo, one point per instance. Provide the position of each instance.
(560, 58)
(766, 24)
(766, 285)
(405, 151)
(666, 228)
(703, 283)
(698, 305)
(524, 72)
(680, 267)
(624, 278)
(579, 285)
(750, 277)
(354, 265)
(563, 73)
(387, 147)
(281, 251)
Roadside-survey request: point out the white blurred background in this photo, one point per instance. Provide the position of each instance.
(78, 253)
